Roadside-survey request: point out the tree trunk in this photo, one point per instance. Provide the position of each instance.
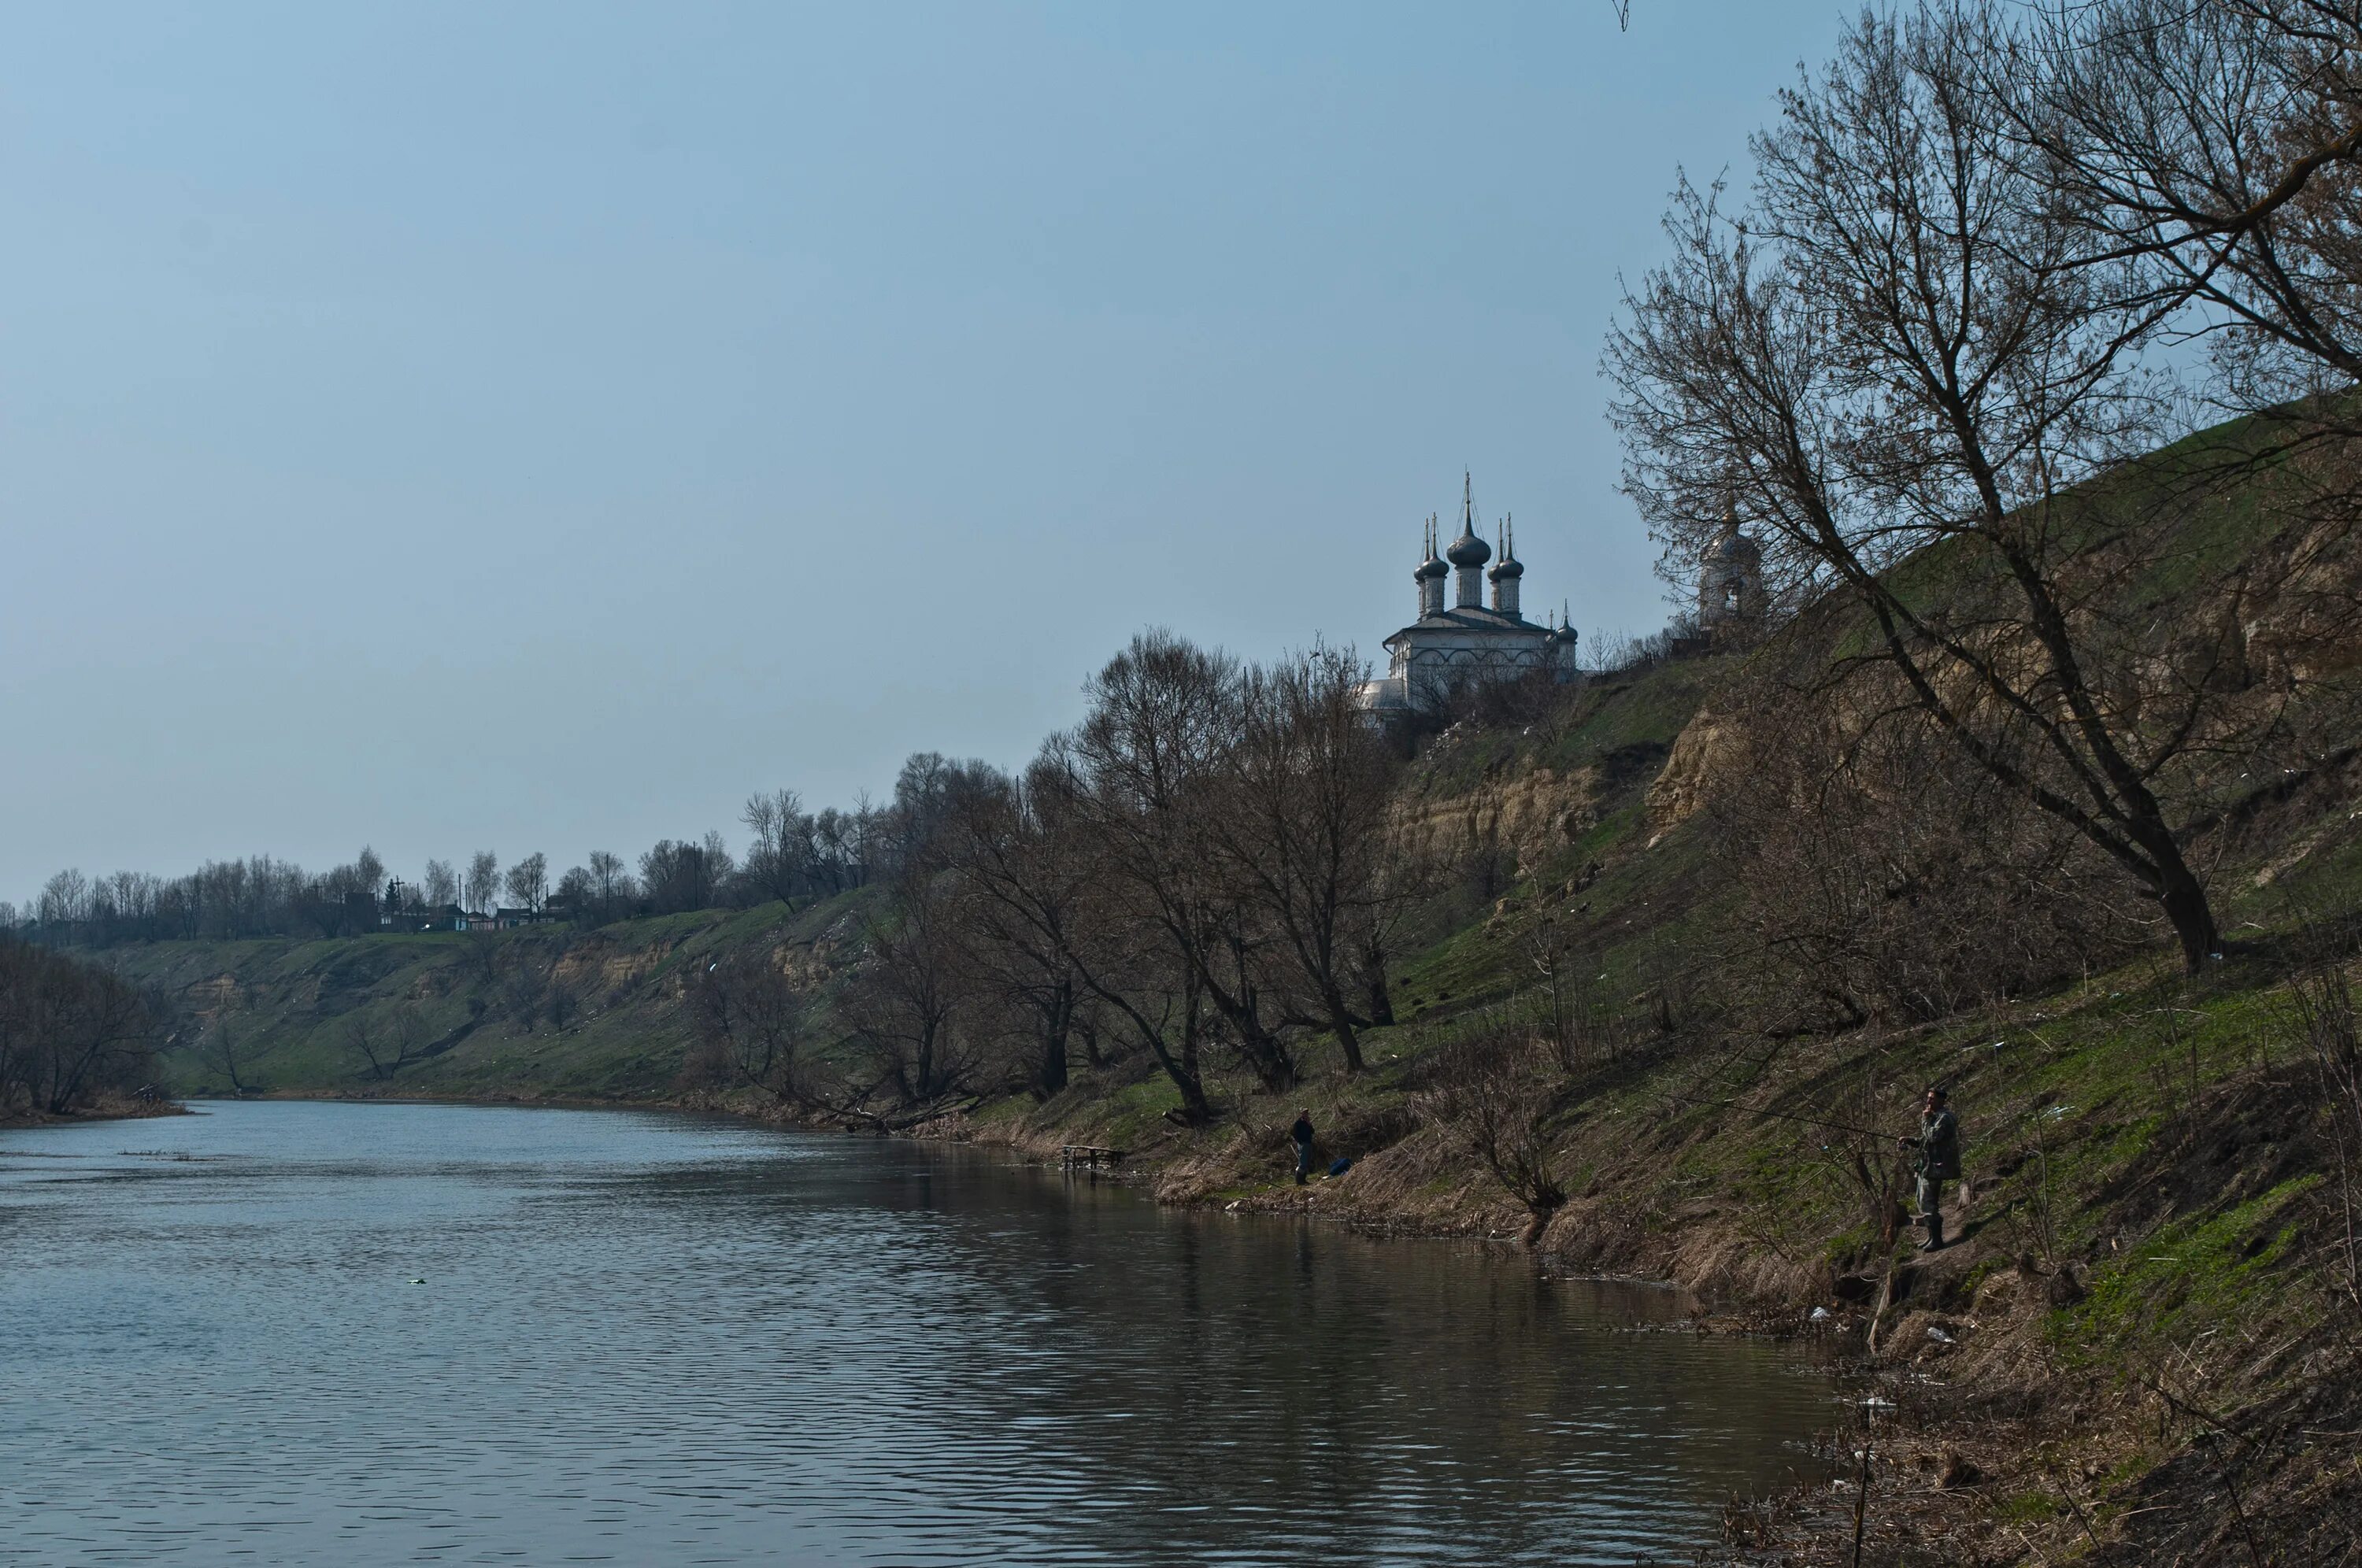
(1273, 1068)
(2185, 902)
(1381, 1002)
(1181, 1069)
(1051, 1075)
(1341, 1018)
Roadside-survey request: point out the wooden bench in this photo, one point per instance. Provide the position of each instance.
(1073, 1154)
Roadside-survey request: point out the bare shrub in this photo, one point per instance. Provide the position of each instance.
(522, 995)
(1583, 1027)
(1492, 1099)
(1885, 877)
(386, 1042)
(562, 1002)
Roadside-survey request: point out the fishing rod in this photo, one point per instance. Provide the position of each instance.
(1780, 1115)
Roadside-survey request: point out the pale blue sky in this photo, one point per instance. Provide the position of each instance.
(536, 426)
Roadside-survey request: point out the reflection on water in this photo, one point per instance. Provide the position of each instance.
(371, 1333)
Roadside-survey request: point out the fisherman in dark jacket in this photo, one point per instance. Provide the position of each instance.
(1936, 1158)
(1302, 1134)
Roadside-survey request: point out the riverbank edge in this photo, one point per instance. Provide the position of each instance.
(1173, 1175)
(110, 1107)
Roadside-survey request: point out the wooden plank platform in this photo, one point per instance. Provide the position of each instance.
(1071, 1154)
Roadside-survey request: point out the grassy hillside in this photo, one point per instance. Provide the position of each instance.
(583, 1014)
(2150, 1308)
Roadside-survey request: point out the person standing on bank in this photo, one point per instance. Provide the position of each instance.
(1302, 1133)
(1936, 1158)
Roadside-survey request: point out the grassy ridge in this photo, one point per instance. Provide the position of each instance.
(586, 1015)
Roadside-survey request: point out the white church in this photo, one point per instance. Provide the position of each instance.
(1451, 648)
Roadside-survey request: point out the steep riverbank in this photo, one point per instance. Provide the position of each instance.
(2149, 1253)
(1661, 1009)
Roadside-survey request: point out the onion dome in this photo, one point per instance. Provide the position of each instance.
(1468, 552)
(1562, 633)
(1730, 545)
(1510, 566)
(1431, 567)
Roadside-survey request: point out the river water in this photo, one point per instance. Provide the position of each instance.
(344, 1333)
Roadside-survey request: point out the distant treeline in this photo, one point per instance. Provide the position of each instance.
(792, 854)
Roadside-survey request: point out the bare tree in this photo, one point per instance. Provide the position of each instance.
(1147, 756)
(909, 1001)
(388, 1042)
(684, 876)
(68, 1031)
(1020, 879)
(1907, 349)
(752, 1022)
(754, 1027)
(440, 885)
(1886, 877)
(483, 882)
(223, 1050)
(1301, 828)
(528, 881)
(1584, 1029)
(2221, 144)
(1136, 983)
(65, 899)
(777, 856)
(580, 894)
(562, 1001)
(611, 883)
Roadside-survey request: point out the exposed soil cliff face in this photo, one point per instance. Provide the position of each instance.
(1519, 819)
(1700, 762)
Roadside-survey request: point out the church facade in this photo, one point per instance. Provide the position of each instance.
(1450, 647)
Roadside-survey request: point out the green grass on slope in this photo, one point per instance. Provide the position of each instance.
(591, 1014)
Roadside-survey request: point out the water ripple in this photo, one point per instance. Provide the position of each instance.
(296, 1333)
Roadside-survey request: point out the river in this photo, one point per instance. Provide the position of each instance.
(365, 1334)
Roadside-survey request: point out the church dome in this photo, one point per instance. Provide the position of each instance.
(1430, 569)
(1468, 552)
(1562, 633)
(1510, 567)
(1730, 545)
